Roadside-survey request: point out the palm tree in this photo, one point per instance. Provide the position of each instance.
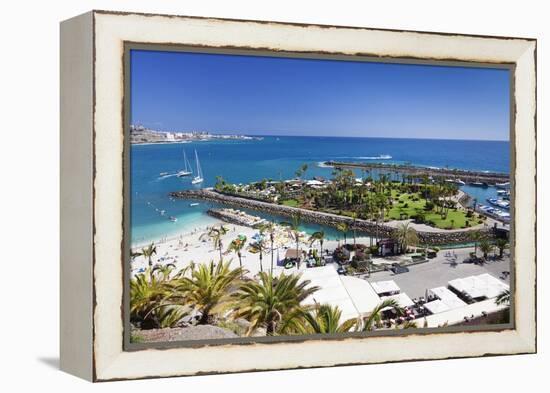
(259, 247)
(317, 237)
(294, 232)
(408, 325)
(503, 297)
(354, 228)
(151, 303)
(272, 303)
(325, 318)
(301, 171)
(485, 247)
(148, 253)
(208, 288)
(406, 236)
(381, 202)
(476, 237)
(374, 319)
(216, 234)
(344, 228)
(501, 245)
(236, 246)
(369, 211)
(304, 169)
(270, 228)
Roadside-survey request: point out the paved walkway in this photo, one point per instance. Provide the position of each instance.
(440, 270)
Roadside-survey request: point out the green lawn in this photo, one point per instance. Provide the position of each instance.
(414, 204)
(455, 218)
(290, 202)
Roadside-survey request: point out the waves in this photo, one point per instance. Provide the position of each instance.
(380, 157)
(323, 164)
(166, 176)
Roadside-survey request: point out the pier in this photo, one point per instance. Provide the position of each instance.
(490, 178)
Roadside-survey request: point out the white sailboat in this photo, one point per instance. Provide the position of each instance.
(198, 178)
(187, 170)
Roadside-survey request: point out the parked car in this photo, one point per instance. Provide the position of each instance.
(396, 269)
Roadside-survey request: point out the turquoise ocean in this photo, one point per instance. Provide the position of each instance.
(153, 168)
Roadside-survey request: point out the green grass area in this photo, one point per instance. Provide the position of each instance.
(290, 202)
(408, 205)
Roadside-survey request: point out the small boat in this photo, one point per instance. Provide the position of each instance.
(499, 202)
(503, 185)
(173, 219)
(197, 179)
(187, 170)
(455, 181)
(162, 212)
(194, 204)
(479, 184)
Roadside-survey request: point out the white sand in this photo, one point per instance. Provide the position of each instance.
(187, 248)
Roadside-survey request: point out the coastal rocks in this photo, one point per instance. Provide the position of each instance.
(199, 332)
(326, 219)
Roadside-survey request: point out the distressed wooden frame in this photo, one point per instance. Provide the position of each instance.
(92, 189)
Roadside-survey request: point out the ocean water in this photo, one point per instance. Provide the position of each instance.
(278, 158)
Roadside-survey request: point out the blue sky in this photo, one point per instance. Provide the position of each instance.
(281, 96)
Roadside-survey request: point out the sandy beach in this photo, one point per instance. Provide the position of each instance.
(198, 248)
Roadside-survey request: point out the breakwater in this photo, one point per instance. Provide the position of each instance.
(327, 219)
(418, 171)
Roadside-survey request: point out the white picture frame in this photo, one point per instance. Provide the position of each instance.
(92, 194)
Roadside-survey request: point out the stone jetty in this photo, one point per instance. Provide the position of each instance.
(236, 217)
(326, 219)
(441, 173)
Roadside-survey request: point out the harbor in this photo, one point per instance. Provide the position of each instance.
(432, 236)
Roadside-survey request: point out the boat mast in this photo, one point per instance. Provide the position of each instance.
(187, 165)
(199, 172)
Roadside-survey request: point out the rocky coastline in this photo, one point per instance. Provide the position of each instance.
(327, 219)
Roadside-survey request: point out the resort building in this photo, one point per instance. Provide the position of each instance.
(441, 306)
(354, 296)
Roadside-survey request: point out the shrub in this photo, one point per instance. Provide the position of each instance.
(341, 255)
(429, 206)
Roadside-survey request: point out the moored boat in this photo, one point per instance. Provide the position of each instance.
(187, 170)
(197, 179)
(499, 202)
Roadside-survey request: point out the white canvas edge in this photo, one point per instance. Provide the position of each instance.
(111, 362)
